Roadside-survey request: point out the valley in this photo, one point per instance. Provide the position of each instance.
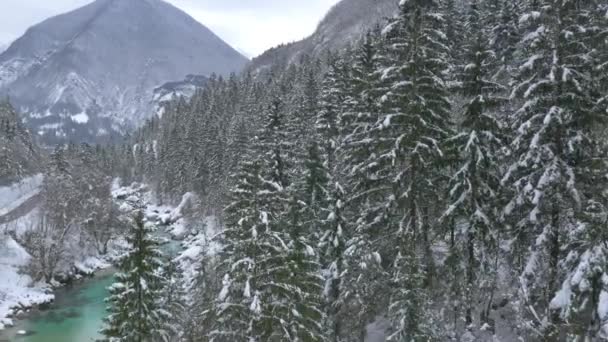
(412, 171)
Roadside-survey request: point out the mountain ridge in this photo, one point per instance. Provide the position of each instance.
(90, 74)
(344, 23)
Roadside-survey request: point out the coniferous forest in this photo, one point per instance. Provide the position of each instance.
(444, 178)
(446, 174)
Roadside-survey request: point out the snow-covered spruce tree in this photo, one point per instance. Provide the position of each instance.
(272, 283)
(409, 307)
(329, 220)
(334, 90)
(61, 198)
(555, 140)
(238, 308)
(274, 143)
(474, 185)
(502, 18)
(455, 32)
(414, 126)
(600, 44)
(245, 300)
(305, 98)
(289, 287)
(581, 299)
(134, 304)
(300, 285)
(11, 167)
(359, 297)
(173, 301)
(415, 122)
(332, 248)
(315, 188)
(202, 291)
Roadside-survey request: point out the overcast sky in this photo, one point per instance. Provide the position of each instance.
(251, 26)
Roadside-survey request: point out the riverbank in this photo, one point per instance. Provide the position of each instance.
(26, 301)
(18, 292)
(75, 315)
(21, 295)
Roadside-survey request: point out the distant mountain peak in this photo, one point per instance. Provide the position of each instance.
(347, 21)
(102, 62)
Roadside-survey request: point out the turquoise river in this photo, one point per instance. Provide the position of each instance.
(75, 316)
(77, 313)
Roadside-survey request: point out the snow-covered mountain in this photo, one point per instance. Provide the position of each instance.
(346, 21)
(171, 90)
(3, 47)
(90, 74)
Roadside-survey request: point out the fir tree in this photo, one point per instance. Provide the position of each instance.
(135, 312)
(302, 280)
(238, 308)
(410, 155)
(502, 21)
(474, 186)
(173, 301)
(360, 297)
(554, 138)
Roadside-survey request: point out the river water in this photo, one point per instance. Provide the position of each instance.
(77, 313)
(75, 316)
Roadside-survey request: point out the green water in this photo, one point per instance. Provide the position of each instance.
(77, 313)
(75, 316)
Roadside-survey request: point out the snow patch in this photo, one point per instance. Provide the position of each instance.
(17, 289)
(81, 118)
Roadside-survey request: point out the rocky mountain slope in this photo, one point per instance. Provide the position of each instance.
(90, 74)
(175, 89)
(346, 21)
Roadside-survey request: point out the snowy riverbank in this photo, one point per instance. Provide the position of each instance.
(19, 293)
(17, 290)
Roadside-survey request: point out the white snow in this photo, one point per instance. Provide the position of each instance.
(81, 118)
(91, 264)
(528, 16)
(16, 289)
(178, 229)
(199, 246)
(562, 297)
(22, 224)
(11, 197)
(255, 305)
(170, 216)
(602, 308)
(225, 289)
(377, 331)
